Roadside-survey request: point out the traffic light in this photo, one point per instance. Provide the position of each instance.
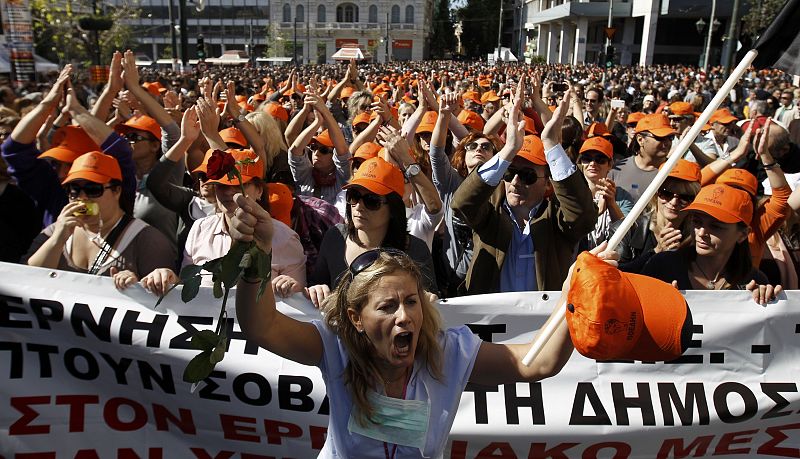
(201, 47)
(610, 56)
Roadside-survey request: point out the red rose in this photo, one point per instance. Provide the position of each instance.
(219, 164)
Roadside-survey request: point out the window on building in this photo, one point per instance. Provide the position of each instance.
(321, 13)
(373, 14)
(347, 12)
(395, 14)
(409, 14)
(299, 13)
(287, 13)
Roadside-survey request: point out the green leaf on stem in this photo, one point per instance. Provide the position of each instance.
(190, 271)
(230, 271)
(213, 266)
(198, 368)
(205, 340)
(191, 287)
(218, 353)
(217, 288)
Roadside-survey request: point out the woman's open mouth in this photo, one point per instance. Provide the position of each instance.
(402, 343)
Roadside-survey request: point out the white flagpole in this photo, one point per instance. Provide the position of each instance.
(559, 315)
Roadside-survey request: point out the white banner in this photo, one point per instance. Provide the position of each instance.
(89, 372)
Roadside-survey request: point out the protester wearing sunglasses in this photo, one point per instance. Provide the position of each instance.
(383, 351)
(375, 217)
(524, 234)
(613, 204)
(93, 234)
(681, 118)
(663, 226)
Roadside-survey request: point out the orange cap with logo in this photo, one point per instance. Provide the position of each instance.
(362, 117)
(367, 150)
(723, 115)
(598, 144)
(473, 96)
(471, 120)
(94, 167)
(233, 135)
(725, 203)
(280, 202)
(739, 178)
(70, 143)
(140, 123)
(489, 96)
(276, 111)
(530, 125)
(613, 315)
(685, 170)
(681, 109)
(249, 171)
(656, 124)
(533, 150)
(597, 129)
(634, 118)
(428, 122)
(324, 138)
(378, 176)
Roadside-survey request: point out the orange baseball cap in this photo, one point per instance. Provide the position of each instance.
(427, 123)
(407, 98)
(530, 125)
(347, 91)
(471, 119)
(723, 115)
(140, 123)
(533, 150)
(70, 143)
(598, 144)
(362, 117)
(249, 171)
(324, 138)
(685, 170)
(473, 96)
(233, 135)
(739, 178)
(280, 202)
(378, 176)
(656, 124)
(489, 96)
(681, 109)
(613, 315)
(725, 203)
(367, 150)
(634, 117)
(94, 167)
(204, 165)
(154, 88)
(597, 129)
(277, 111)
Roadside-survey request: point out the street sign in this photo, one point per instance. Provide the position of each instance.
(610, 31)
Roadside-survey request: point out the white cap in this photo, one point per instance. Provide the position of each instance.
(650, 98)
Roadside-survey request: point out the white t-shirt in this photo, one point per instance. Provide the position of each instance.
(423, 224)
(459, 350)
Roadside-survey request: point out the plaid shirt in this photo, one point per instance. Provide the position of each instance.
(312, 217)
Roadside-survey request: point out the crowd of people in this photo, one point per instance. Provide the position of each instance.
(373, 186)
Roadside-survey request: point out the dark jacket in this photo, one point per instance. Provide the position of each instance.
(561, 221)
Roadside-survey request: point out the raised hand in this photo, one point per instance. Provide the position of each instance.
(56, 93)
(207, 116)
(190, 125)
(250, 222)
(551, 134)
(130, 74)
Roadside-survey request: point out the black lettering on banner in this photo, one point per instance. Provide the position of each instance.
(263, 390)
(721, 402)
(119, 368)
(208, 391)
(513, 402)
(163, 378)
(45, 364)
(771, 447)
(485, 331)
(46, 311)
(22, 426)
(7, 308)
(154, 329)
(673, 447)
(773, 390)
(81, 317)
(585, 391)
(644, 401)
(91, 369)
(15, 367)
(481, 406)
(287, 397)
(694, 395)
(325, 407)
(184, 340)
(250, 348)
(687, 358)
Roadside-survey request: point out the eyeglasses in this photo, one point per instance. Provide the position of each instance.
(594, 101)
(368, 258)
(668, 138)
(371, 201)
(320, 149)
(667, 195)
(485, 146)
(136, 137)
(90, 189)
(528, 176)
(597, 159)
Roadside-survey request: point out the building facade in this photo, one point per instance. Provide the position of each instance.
(310, 31)
(645, 31)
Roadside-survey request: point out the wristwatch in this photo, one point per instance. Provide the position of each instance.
(412, 170)
(241, 118)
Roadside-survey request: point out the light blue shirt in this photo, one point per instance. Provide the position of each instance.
(518, 273)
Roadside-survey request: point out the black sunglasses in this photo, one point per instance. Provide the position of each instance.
(90, 189)
(321, 149)
(669, 138)
(667, 195)
(136, 137)
(528, 176)
(597, 159)
(371, 201)
(368, 258)
(485, 146)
